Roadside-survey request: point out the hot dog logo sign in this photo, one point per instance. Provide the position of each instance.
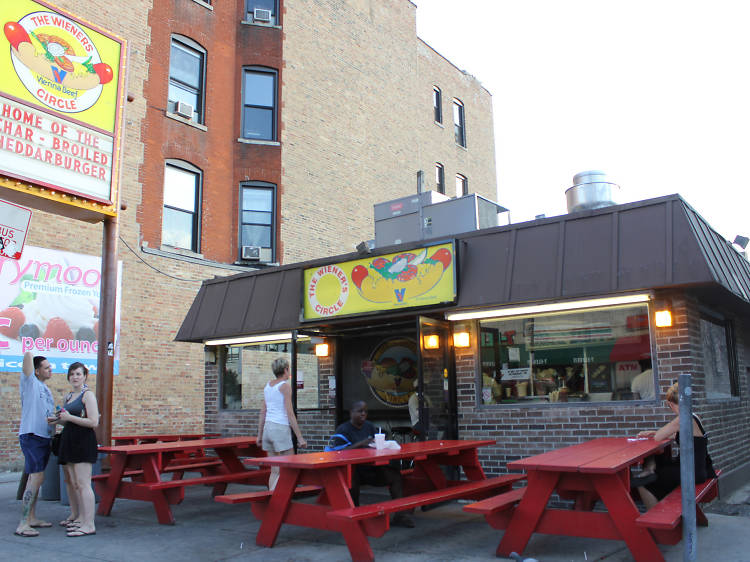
(56, 61)
(419, 277)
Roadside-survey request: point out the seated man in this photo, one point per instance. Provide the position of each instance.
(360, 433)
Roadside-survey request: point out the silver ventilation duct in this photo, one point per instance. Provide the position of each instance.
(591, 190)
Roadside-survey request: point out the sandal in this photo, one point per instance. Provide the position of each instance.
(27, 533)
(66, 522)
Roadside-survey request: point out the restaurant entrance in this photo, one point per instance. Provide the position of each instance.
(436, 396)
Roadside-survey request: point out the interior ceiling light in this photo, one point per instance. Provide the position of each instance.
(262, 338)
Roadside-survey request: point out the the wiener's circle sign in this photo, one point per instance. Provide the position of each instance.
(419, 277)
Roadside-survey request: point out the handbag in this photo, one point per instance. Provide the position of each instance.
(55, 445)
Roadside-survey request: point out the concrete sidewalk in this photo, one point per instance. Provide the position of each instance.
(207, 530)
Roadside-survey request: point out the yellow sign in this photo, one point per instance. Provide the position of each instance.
(60, 101)
(419, 277)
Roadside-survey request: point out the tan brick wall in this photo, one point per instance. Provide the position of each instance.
(357, 103)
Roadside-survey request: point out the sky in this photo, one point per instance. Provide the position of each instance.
(655, 93)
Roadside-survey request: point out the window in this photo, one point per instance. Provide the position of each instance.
(246, 370)
(462, 185)
(459, 129)
(582, 356)
(181, 217)
(259, 104)
(439, 177)
(267, 14)
(186, 77)
(437, 104)
(719, 361)
(257, 224)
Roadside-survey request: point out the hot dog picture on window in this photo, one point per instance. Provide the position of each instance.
(402, 278)
(55, 59)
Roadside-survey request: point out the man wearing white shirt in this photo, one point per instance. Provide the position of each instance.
(34, 435)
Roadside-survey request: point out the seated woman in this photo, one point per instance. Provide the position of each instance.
(661, 474)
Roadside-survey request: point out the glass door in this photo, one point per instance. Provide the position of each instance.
(436, 390)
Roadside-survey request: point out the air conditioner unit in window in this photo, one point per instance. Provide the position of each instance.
(183, 109)
(260, 14)
(251, 253)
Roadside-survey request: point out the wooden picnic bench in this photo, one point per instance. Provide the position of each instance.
(665, 518)
(137, 471)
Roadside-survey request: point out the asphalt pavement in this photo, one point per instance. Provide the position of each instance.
(207, 530)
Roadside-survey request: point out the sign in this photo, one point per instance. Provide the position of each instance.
(59, 101)
(49, 305)
(14, 223)
(420, 277)
(521, 374)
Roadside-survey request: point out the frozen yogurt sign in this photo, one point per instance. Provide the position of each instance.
(49, 305)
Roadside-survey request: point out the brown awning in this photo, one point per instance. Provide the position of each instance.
(647, 245)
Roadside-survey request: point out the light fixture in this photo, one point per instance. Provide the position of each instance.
(663, 318)
(262, 338)
(432, 341)
(461, 339)
(321, 349)
(549, 307)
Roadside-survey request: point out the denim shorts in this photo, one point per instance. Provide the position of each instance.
(276, 437)
(35, 452)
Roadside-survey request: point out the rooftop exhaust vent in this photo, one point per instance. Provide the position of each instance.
(591, 190)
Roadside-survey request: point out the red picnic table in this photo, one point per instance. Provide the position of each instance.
(598, 469)
(329, 475)
(144, 464)
(156, 437)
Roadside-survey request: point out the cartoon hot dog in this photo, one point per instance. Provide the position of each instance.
(406, 276)
(53, 58)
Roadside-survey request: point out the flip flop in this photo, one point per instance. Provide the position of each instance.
(66, 522)
(41, 525)
(78, 533)
(27, 533)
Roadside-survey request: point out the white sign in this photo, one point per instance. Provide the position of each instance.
(14, 224)
(521, 374)
(54, 152)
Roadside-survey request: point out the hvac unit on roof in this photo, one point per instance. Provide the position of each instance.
(251, 253)
(183, 109)
(259, 14)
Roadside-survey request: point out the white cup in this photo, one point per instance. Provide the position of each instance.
(380, 440)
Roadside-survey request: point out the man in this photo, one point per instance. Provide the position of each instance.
(643, 384)
(37, 411)
(360, 433)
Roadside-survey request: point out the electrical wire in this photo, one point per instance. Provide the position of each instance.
(156, 268)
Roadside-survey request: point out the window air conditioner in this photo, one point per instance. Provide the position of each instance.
(184, 109)
(251, 253)
(260, 14)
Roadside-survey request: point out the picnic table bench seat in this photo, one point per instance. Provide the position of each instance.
(263, 495)
(252, 476)
(471, 489)
(185, 465)
(666, 515)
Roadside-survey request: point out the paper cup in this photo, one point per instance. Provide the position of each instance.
(380, 440)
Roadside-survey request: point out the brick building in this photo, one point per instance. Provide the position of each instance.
(269, 125)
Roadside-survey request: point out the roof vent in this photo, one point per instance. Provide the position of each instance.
(591, 190)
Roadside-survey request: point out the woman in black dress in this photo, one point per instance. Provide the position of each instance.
(78, 449)
(661, 474)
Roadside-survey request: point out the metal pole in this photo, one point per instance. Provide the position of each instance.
(687, 469)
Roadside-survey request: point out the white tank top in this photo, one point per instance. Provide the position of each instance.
(275, 410)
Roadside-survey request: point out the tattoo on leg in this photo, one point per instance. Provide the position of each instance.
(28, 501)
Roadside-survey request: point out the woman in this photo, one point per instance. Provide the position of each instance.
(78, 450)
(661, 474)
(277, 416)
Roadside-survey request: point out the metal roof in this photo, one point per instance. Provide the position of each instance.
(653, 244)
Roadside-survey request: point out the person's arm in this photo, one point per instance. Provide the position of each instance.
(28, 364)
(261, 421)
(92, 412)
(287, 392)
(668, 431)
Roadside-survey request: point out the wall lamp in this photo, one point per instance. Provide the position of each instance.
(548, 307)
(321, 350)
(663, 318)
(432, 341)
(461, 339)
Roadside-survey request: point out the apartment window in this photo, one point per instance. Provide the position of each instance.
(459, 128)
(181, 215)
(437, 104)
(719, 359)
(257, 224)
(259, 104)
(262, 11)
(186, 78)
(439, 177)
(578, 356)
(462, 185)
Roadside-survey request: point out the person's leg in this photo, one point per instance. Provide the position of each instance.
(72, 496)
(648, 499)
(354, 490)
(36, 454)
(273, 478)
(85, 496)
(28, 505)
(391, 477)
